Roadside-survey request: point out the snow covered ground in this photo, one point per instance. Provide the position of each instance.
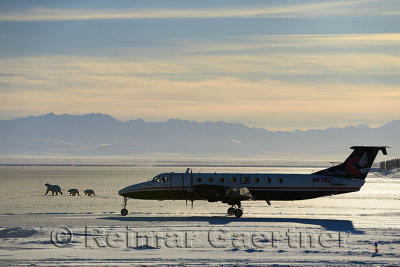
(67, 230)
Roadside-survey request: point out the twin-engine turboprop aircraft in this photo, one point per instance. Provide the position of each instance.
(233, 188)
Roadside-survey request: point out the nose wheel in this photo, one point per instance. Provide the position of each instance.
(124, 211)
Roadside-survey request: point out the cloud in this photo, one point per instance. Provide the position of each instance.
(86, 72)
(290, 41)
(237, 86)
(235, 141)
(75, 85)
(191, 74)
(356, 7)
(221, 99)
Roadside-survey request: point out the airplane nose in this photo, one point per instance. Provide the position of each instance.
(125, 191)
(131, 190)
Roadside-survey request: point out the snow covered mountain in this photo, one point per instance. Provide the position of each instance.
(100, 134)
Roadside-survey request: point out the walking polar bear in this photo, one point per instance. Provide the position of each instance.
(73, 192)
(89, 192)
(53, 188)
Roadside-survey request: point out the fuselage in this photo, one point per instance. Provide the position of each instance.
(232, 188)
(245, 186)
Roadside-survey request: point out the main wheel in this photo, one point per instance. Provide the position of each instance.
(124, 212)
(238, 212)
(231, 211)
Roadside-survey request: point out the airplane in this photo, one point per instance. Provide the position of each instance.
(233, 188)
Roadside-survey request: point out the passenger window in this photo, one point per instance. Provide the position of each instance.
(268, 180)
(198, 179)
(257, 180)
(244, 179)
(221, 179)
(233, 180)
(210, 179)
(280, 180)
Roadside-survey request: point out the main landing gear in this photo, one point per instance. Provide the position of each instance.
(124, 211)
(238, 212)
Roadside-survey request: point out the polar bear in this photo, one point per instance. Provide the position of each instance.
(73, 192)
(53, 188)
(89, 192)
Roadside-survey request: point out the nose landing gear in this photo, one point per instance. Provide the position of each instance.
(124, 211)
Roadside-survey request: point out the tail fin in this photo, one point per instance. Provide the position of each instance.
(357, 165)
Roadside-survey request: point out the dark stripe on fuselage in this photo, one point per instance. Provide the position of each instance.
(258, 193)
(162, 195)
(162, 188)
(304, 188)
(294, 195)
(253, 188)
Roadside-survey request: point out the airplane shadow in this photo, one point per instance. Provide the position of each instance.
(327, 224)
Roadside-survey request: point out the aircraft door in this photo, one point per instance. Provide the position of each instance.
(177, 184)
(177, 181)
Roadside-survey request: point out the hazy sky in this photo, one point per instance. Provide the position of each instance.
(272, 64)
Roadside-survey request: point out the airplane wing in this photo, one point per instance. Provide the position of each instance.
(236, 193)
(214, 193)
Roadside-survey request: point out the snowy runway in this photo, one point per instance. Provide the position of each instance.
(38, 229)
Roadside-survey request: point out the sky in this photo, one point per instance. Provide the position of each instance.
(279, 65)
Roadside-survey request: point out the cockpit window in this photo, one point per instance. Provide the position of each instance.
(156, 179)
(159, 179)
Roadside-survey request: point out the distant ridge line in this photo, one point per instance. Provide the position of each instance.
(160, 165)
(102, 135)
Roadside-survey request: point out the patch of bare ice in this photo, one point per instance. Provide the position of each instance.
(17, 232)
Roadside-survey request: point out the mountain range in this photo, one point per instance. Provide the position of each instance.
(102, 135)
